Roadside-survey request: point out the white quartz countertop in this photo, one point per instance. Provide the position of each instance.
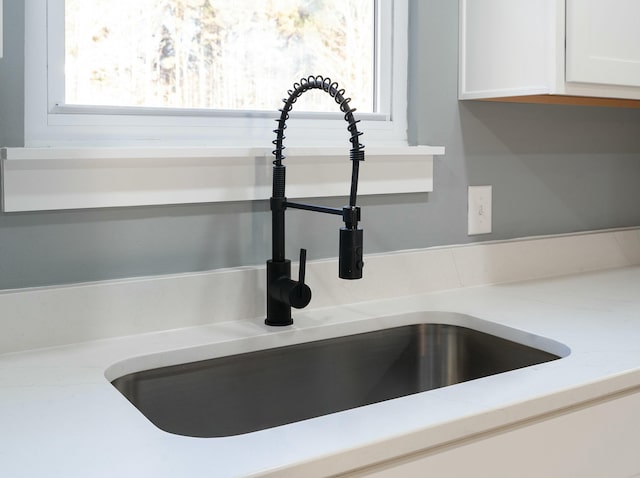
(60, 416)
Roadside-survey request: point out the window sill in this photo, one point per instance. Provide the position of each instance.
(37, 179)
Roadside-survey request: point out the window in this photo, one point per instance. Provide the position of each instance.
(92, 145)
(206, 75)
(215, 54)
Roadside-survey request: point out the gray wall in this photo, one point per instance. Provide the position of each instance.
(554, 169)
(12, 76)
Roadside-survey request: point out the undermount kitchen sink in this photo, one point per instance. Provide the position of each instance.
(257, 390)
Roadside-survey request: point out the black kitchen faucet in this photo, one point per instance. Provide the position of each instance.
(282, 291)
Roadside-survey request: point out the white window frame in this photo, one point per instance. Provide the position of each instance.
(73, 158)
(49, 123)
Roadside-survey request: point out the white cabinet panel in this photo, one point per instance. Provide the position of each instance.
(550, 51)
(495, 33)
(600, 440)
(603, 42)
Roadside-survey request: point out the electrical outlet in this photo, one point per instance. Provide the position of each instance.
(479, 219)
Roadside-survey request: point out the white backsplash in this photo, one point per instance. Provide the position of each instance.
(53, 316)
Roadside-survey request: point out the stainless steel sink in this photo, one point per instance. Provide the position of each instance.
(257, 390)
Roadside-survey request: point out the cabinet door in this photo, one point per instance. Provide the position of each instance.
(599, 439)
(603, 42)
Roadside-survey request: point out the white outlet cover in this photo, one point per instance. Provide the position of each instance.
(479, 210)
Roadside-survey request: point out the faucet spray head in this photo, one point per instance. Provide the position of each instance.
(350, 257)
(350, 261)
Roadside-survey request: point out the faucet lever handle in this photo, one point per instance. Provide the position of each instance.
(303, 266)
(299, 294)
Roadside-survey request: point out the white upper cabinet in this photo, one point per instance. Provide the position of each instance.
(540, 49)
(603, 42)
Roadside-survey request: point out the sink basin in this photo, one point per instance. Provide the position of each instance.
(257, 390)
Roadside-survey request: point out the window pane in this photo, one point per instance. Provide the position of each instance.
(220, 54)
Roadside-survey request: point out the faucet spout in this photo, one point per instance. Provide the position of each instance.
(280, 287)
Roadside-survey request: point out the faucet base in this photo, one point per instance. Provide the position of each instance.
(278, 312)
(278, 323)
